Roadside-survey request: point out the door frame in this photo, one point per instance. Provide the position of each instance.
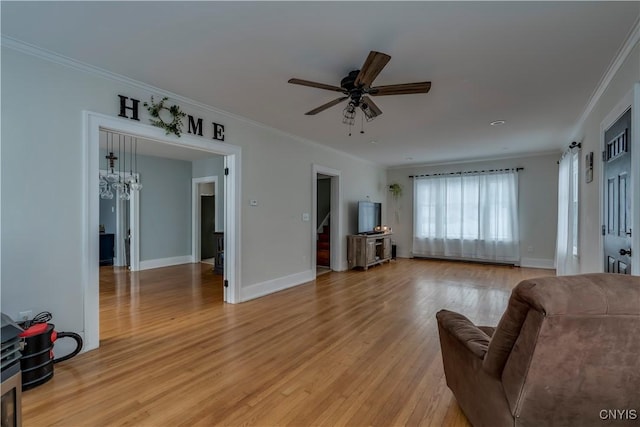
(630, 100)
(196, 214)
(92, 122)
(336, 244)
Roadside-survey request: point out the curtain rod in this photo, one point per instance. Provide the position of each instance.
(465, 172)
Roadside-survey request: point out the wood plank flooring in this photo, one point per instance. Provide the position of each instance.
(354, 348)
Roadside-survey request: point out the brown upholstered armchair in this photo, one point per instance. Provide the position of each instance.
(566, 352)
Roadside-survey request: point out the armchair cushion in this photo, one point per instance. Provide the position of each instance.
(505, 336)
(461, 328)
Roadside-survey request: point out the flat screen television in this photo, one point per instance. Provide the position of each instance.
(369, 217)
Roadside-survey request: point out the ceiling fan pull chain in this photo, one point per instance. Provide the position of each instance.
(361, 123)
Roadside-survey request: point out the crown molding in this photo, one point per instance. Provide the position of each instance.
(557, 152)
(47, 55)
(623, 53)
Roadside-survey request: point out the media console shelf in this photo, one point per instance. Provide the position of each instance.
(368, 249)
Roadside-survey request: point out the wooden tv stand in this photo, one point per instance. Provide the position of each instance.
(365, 250)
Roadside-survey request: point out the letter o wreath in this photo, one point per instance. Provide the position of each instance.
(175, 126)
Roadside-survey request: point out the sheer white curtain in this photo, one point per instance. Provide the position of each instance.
(467, 216)
(567, 240)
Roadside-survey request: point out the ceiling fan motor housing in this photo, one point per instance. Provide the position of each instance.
(348, 83)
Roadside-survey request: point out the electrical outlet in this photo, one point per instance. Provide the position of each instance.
(25, 315)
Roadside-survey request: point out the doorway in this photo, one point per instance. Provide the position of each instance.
(617, 196)
(206, 207)
(93, 122)
(620, 192)
(327, 222)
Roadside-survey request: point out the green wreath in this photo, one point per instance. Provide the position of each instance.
(175, 126)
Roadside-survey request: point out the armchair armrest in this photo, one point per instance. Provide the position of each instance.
(463, 330)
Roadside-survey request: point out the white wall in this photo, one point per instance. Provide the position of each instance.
(165, 207)
(537, 204)
(42, 154)
(591, 258)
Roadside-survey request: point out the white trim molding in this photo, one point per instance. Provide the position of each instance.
(548, 264)
(165, 262)
(275, 285)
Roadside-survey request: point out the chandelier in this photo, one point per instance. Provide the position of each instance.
(115, 180)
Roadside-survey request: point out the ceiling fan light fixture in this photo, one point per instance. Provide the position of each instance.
(369, 114)
(349, 114)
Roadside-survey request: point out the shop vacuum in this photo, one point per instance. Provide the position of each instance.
(37, 356)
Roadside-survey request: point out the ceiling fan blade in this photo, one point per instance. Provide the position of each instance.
(401, 89)
(374, 63)
(374, 111)
(325, 106)
(315, 84)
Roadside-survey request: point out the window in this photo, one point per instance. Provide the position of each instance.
(567, 248)
(471, 215)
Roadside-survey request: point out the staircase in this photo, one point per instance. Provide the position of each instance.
(323, 245)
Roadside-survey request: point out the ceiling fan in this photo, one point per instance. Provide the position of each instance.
(356, 87)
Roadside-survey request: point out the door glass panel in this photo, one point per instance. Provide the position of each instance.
(623, 268)
(611, 185)
(622, 209)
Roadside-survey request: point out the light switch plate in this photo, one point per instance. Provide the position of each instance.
(305, 216)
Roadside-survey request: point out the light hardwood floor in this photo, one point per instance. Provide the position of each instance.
(353, 348)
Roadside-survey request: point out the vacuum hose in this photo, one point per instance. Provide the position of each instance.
(76, 337)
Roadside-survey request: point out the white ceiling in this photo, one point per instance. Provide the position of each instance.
(533, 64)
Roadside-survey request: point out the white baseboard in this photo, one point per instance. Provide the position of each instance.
(165, 262)
(270, 286)
(537, 263)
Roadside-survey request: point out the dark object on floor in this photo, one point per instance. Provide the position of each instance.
(37, 356)
(107, 251)
(565, 353)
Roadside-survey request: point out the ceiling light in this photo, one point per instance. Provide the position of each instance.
(497, 123)
(374, 142)
(368, 112)
(349, 114)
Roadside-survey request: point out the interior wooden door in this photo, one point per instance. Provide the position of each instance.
(617, 196)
